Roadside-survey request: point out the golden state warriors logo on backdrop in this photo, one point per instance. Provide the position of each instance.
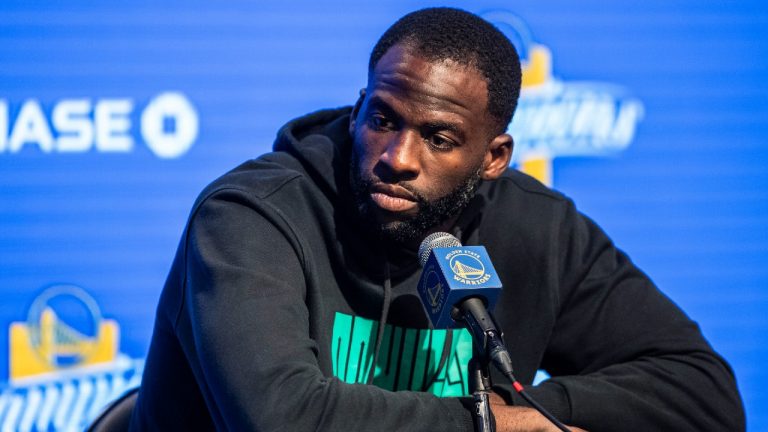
(64, 329)
(467, 267)
(65, 364)
(555, 118)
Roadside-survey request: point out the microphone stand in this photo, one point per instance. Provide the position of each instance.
(480, 383)
(486, 346)
(489, 347)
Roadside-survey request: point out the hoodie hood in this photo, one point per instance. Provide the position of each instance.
(320, 142)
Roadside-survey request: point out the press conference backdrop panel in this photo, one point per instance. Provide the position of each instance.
(114, 115)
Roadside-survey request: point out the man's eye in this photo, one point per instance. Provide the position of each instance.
(440, 142)
(379, 122)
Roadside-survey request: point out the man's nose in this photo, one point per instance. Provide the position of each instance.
(402, 155)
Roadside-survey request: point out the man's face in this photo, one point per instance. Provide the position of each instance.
(423, 139)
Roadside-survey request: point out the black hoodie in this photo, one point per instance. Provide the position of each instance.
(271, 316)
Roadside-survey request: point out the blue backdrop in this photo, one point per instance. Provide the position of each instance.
(651, 115)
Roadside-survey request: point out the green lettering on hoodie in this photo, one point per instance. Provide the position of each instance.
(428, 360)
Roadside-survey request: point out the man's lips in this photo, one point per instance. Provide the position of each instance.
(393, 198)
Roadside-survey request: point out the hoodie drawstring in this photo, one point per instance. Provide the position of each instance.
(382, 320)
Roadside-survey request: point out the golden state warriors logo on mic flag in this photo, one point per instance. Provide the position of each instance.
(468, 268)
(452, 274)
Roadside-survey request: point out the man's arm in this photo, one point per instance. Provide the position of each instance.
(622, 355)
(511, 418)
(244, 327)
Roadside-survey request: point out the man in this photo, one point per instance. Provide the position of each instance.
(292, 305)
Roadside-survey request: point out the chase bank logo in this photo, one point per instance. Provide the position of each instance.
(562, 119)
(467, 267)
(64, 329)
(168, 125)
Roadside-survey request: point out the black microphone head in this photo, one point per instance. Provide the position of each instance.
(436, 240)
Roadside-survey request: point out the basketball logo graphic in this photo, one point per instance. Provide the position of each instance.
(467, 268)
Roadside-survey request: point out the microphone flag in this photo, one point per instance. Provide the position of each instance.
(452, 274)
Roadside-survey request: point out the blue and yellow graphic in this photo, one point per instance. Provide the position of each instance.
(451, 274)
(65, 364)
(64, 329)
(562, 119)
(468, 268)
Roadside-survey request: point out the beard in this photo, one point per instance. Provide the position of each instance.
(430, 214)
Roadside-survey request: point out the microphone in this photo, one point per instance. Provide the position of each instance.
(458, 287)
(453, 273)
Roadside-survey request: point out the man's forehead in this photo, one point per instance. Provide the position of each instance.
(443, 84)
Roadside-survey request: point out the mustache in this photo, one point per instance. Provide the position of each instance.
(395, 189)
(377, 185)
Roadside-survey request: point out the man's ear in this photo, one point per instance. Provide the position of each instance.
(497, 156)
(355, 111)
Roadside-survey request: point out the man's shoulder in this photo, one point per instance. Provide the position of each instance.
(518, 206)
(259, 177)
(256, 181)
(515, 187)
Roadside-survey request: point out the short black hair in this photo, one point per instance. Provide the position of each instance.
(448, 33)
